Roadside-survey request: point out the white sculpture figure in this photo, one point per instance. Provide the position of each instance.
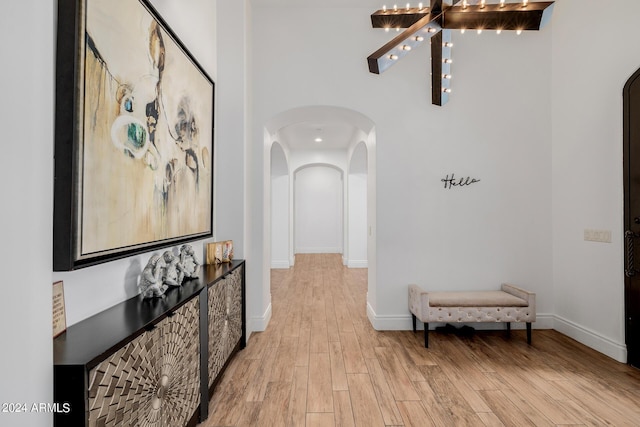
(189, 261)
(151, 279)
(173, 270)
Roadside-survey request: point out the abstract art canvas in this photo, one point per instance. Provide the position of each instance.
(134, 136)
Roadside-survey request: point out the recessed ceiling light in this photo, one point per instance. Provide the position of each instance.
(318, 139)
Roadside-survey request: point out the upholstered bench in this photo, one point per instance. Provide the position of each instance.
(511, 304)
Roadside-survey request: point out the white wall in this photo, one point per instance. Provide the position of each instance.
(232, 97)
(589, 72)
(318, 209)
(27, 86)
(495, 128)
(280, 207)
(357, 209)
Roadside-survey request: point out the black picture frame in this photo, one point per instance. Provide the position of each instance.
(131, 174)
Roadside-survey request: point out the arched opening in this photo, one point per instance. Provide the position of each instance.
(322, 135)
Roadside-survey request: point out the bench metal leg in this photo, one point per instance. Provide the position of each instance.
(426, 335)
(508, 329)
(413, 318)
(529, 333)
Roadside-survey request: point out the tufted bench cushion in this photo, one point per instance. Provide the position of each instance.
(510, 304)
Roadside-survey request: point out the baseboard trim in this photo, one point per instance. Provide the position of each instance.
(604, 345)
(591, 339)
(259, 323)
(280, 264)
(357, 263)
(333, 250)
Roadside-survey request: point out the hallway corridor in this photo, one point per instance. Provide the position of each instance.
(320, 363)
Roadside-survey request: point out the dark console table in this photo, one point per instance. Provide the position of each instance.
(152, 362)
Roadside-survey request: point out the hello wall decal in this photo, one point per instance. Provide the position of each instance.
(451, 182)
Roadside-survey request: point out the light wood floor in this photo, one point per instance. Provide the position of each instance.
(320, 363)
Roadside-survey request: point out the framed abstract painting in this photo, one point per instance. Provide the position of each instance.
(134, 135)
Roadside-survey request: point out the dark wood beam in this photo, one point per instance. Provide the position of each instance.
(440, 67)
(436, 22)
(511, 16)
(402, 18)
(421, 31)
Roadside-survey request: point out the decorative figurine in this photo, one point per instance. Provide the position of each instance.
(173, 271)
(151, 285)
(189, 261)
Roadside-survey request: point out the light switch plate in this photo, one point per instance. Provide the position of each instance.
(603, 236)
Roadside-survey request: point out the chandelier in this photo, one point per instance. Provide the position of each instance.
(435, 23)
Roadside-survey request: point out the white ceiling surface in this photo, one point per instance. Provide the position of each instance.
(297, 129)
(335, 134)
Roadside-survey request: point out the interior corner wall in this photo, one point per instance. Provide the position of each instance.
(495, 128)
(280, 197)
(27, 86)
(357, 208)
(590, 69)
(231, 123)
(357, 220)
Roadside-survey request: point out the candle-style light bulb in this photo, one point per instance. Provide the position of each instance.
(395, 7)
(420, 6)
(498, 31)
(502, 3)
(479, 30)
(524, 3)
(384, 7)
(408, 6)
(464, 4)
(482, 4)
(519, 32)
(462, 31)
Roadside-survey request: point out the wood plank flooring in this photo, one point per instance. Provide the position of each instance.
(320, 363)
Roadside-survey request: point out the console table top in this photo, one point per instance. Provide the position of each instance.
(92, 340)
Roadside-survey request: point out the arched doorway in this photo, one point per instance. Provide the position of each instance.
(341, 132)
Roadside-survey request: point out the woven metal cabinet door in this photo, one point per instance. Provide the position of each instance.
(180, 365)
(225, 320)
(154, 380)
(234, 308)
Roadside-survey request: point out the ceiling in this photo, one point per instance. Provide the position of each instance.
(339, 128)
(336, 134)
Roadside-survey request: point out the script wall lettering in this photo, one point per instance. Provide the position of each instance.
(451, 182)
